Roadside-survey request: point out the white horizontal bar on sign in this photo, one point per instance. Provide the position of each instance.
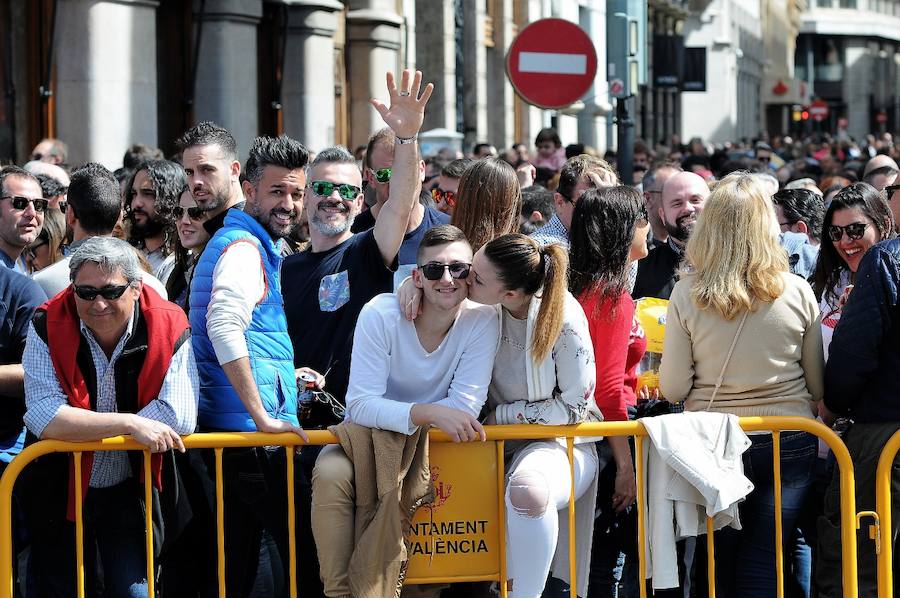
(550, 62)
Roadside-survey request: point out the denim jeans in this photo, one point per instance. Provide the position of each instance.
(256, 535)
(745, 559)
(114, 544)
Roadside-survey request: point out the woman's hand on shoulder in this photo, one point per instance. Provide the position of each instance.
(409, 296)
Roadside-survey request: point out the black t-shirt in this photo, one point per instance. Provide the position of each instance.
(323, 295)
(363, 222)
(657, 272)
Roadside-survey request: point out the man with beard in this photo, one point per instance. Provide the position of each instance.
(326, 287)
(94, 207)
(683, 196)
(245, 359)
(151, 194)
(22, 206)
(209, 156)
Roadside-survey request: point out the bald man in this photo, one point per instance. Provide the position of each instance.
(682, 199)
(881, 171)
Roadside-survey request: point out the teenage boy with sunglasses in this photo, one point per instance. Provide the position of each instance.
(326, 287)
(22, 206)
(379, 164)
(432, 371)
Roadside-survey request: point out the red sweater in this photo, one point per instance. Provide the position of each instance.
(619, 345)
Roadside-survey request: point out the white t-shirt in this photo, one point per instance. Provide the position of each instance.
(390, 370)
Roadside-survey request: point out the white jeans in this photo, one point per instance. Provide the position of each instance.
(537, 487)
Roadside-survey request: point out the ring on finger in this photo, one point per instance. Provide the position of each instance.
(404, 93)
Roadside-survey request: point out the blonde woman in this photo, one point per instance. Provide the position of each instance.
(736, 290)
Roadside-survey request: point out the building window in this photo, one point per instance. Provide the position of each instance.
(828, 57)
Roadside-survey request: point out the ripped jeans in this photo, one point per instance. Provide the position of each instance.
(537, 487)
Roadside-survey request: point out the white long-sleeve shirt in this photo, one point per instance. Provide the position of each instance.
(390, 370)
(238, 285)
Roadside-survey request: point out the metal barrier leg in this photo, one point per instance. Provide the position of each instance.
(573, 562)
(79, 528)
(220, 522)
(641, 504)
(501, 516)
(711, 557)
(883, 505)
(779, 532)
(292, 529)
(148, 522)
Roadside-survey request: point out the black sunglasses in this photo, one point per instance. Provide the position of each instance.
(643, 214)
(854, 231)
(434, 270)
(195, 213)
(564, 196)
(63, 206)
(890, 189)
(20, 203)
(109, 292)
(345, 190)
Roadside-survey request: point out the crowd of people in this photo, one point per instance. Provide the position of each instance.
(381, 293)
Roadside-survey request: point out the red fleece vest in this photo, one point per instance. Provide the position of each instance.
(165, 322)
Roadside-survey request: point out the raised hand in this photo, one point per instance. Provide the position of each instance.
(407, 109)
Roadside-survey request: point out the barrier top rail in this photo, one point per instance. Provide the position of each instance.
(494, 433)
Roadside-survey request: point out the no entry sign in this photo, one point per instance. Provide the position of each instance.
(819, 110)
(551, 63)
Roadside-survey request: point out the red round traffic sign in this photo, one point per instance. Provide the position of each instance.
(819, 110)
(551, 63)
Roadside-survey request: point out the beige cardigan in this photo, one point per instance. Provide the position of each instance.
(777, 366)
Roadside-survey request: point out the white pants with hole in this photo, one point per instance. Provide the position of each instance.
(537, 486)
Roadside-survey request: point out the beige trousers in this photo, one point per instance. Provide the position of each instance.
(333, 522)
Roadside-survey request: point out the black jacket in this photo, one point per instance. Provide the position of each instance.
(862, 377)
(656, 272)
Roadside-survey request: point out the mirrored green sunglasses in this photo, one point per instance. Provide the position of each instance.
(382, 175)
(326, 188)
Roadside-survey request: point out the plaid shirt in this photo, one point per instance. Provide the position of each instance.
(176, 405)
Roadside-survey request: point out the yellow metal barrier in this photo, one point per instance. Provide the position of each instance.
(499, 434)
(885, 516)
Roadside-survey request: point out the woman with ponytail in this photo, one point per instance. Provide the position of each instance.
(543, 374)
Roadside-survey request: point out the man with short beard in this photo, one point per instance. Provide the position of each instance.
(151, 194)
(326, 287)
(209, 156)
(245, 360)
(683, 196)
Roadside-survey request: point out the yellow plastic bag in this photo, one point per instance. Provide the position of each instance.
(651, 313)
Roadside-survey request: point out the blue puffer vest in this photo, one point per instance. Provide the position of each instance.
(271, 352)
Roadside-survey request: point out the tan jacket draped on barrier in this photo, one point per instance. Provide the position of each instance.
(392, 480)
